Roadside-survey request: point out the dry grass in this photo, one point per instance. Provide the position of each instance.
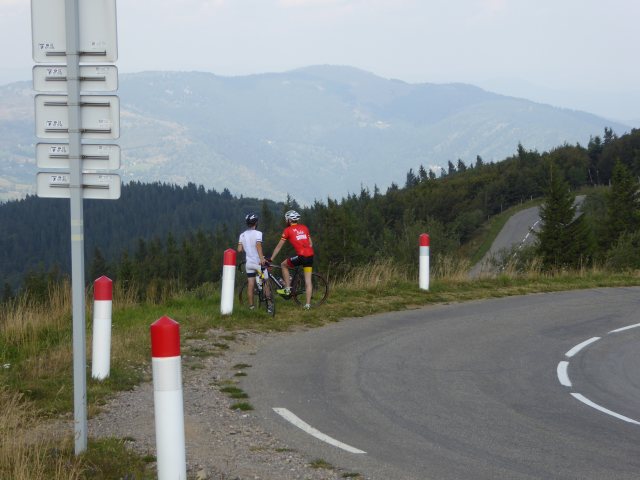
(22, 319)
(374, 276)
(451, 268)
(384, 273)
(23, 455)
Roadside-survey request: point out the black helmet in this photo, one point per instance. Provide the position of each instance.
(251, 219)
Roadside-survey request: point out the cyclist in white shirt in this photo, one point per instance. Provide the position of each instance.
(250, 242)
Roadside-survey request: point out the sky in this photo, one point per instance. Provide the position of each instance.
(579, 54)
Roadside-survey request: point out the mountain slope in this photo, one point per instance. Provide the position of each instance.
(315, 132)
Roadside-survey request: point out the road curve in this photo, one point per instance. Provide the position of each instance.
(461, 391)
(519, 230)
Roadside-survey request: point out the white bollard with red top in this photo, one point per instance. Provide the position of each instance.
(101, 341)
(424, 262)
(167, 399)
(228, 281)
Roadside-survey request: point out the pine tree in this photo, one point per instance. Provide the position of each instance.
(411, 180)
(623, 205)
(556, 214)
(98, 266)
(422, 174)
(267, 223)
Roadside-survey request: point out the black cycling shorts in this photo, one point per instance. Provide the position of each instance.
(300, 260)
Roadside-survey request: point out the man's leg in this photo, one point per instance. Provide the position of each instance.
(285, 273)
(308, 283)
(265, 281)
(251, 282)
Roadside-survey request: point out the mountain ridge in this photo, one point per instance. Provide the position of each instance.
(314, 132)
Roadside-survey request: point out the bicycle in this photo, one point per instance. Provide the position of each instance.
(259, 292)
(319, 292)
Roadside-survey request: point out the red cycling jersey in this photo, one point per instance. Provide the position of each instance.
(300, 239)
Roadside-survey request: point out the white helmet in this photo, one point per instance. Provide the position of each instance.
(292, 216)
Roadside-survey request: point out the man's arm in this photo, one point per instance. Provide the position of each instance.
(277, 249)
(240, 249)
(260, 254)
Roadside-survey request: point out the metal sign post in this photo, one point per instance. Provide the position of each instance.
(76, 32)
(77, 227)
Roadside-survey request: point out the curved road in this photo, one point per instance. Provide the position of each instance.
(516, 388)
(517, 231)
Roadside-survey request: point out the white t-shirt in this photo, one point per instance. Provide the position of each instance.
(248, 239)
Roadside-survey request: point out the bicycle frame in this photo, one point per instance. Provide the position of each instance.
(298, 285)
(259, 290)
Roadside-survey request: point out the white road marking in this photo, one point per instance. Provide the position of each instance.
(563, 376)
(580, 346)
(290, 417)
(586, 401)
(625, 328)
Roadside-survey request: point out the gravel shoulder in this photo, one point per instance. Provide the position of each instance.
(221, 443)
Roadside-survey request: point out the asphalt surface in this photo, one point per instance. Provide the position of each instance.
(518, 231)
(466, 391)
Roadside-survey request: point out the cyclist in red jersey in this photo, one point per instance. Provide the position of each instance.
(300, 239)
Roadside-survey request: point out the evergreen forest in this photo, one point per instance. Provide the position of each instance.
(160, 235)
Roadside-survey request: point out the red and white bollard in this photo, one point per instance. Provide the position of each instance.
(101, 342)
(167, 399)
(228, 281)
(424, 262)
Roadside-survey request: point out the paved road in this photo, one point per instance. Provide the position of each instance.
(480, 390)
(518, 231)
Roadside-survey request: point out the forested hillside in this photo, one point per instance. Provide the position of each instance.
(161, 233)
(35, 233)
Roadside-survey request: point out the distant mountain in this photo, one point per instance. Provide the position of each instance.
(314, 132)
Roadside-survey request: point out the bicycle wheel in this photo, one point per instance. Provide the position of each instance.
(269, 298)
(319, 291)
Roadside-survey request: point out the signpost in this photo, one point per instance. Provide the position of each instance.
(100, 116)
(93, 23)
(94, 157)
(96, 186)
(93, 78)
(66, 33)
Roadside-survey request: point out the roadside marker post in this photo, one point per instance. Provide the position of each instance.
(168, 400)
(101, 341)
(228, 281)
(424, 261)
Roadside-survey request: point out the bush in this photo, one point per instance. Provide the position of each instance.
(625, 254)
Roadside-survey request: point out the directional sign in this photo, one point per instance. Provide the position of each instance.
(94, 157)
(97, 36)
(93, 78)
(100, 116)
(97, 186)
